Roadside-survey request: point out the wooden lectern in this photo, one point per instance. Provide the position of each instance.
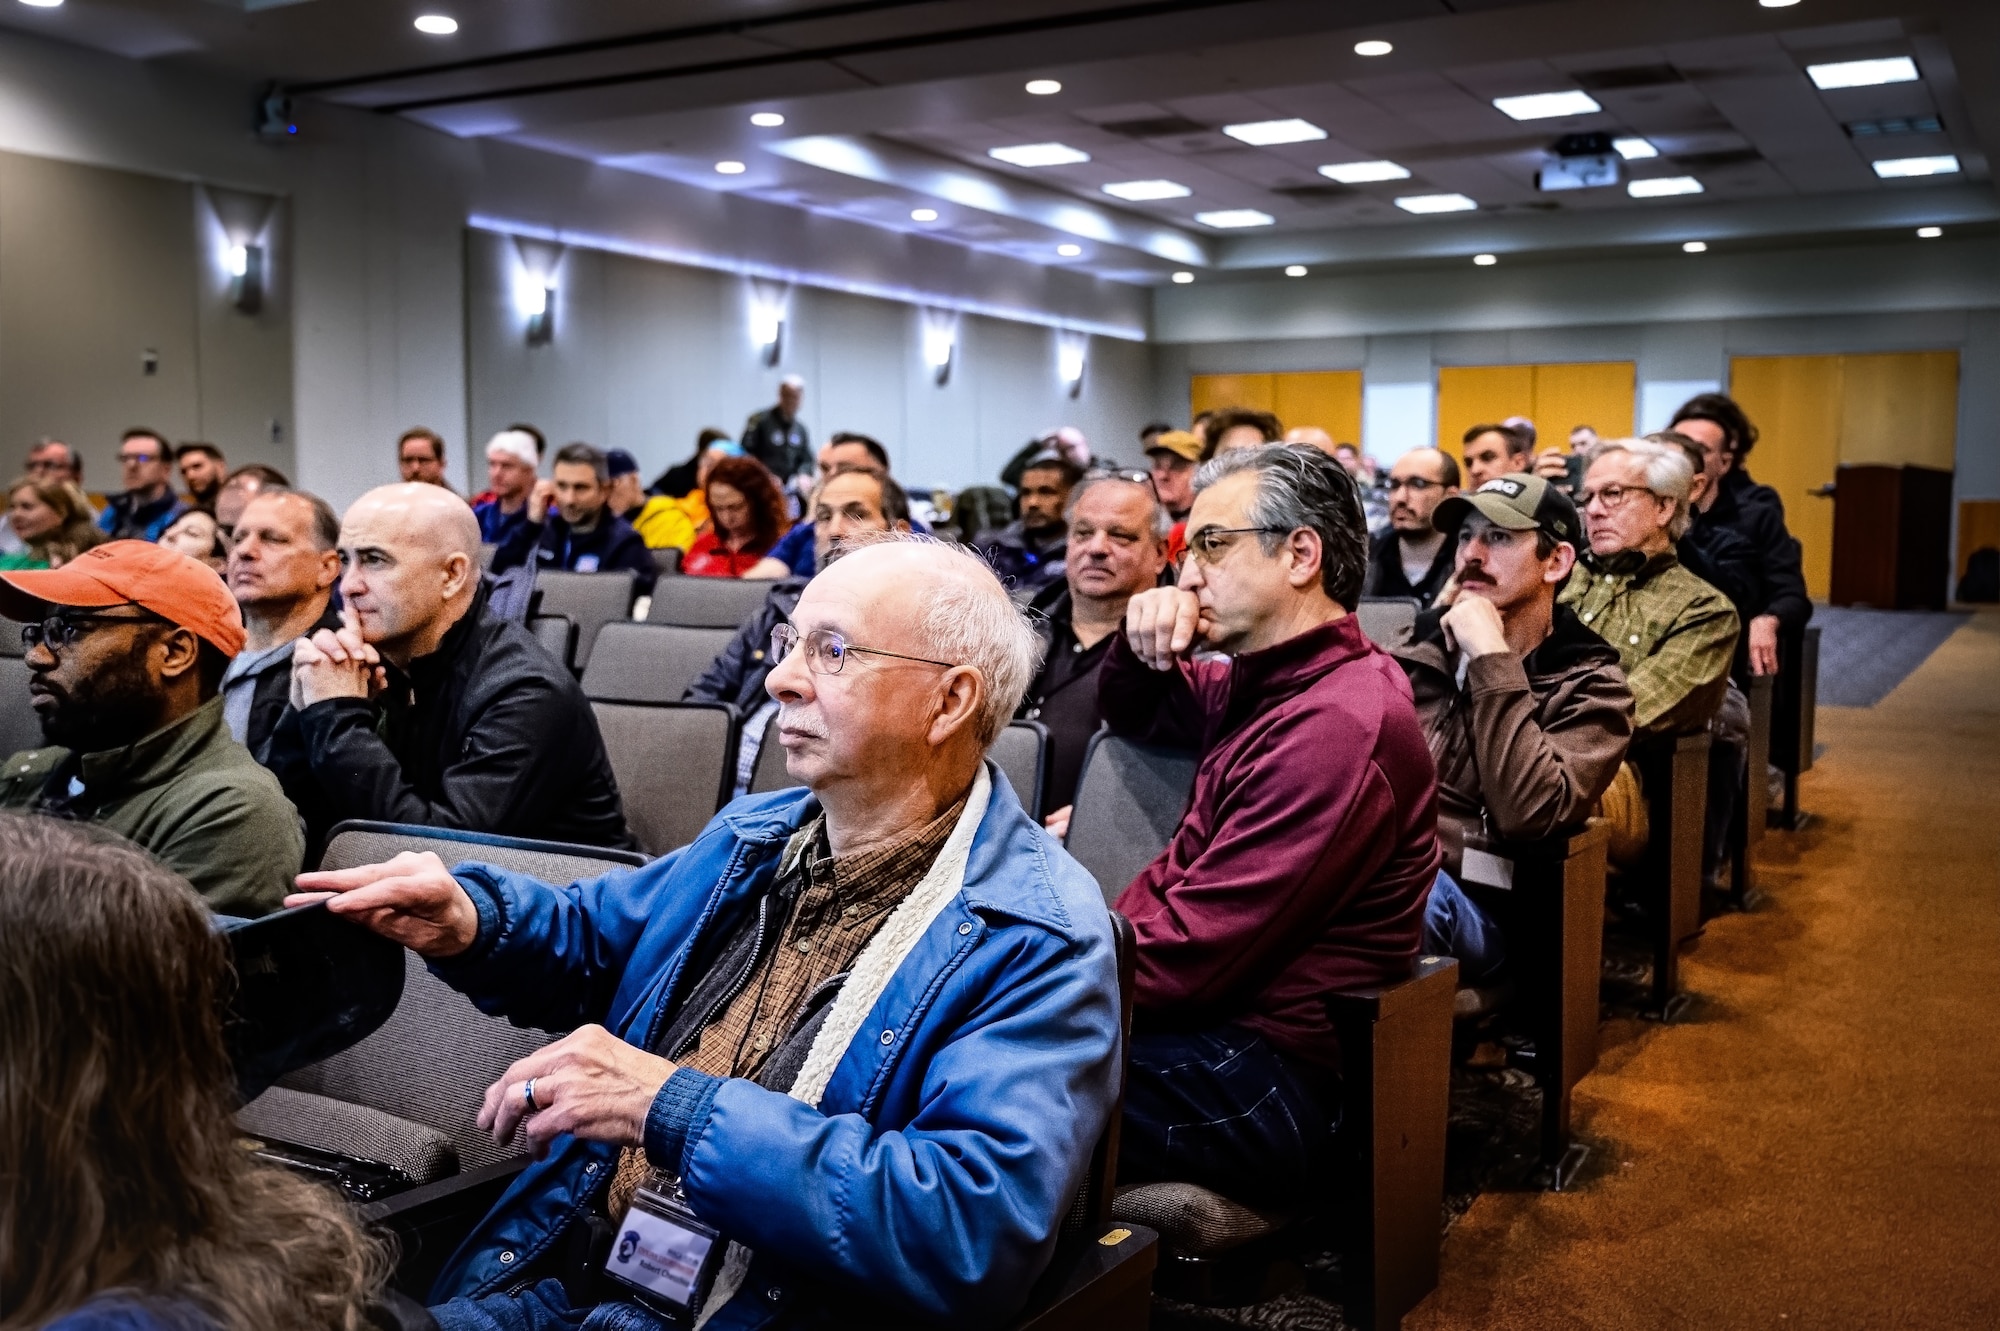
(1891, 537)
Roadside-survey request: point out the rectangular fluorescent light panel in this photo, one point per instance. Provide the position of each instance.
(1364, 173)
(1436, 203)
(1900, 168)
(1235, 217)
(1634, 149)
(1144, 191)
(1264, 133)
(1038, 154)
(1547, 105)
(1662, 187)
(1863, 73)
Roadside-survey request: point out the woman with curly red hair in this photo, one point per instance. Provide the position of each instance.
(747, 514)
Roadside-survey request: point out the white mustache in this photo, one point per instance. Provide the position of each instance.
(795, 718)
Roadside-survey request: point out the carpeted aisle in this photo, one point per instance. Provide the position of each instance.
(1819, 1144)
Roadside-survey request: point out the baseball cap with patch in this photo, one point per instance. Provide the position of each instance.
(185, 592)
(1181, 443)
(1519, 502)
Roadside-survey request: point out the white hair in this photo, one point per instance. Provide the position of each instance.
(792, 381)
(968, 619)
(1669, 474)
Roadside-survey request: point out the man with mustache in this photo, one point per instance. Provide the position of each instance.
(1525, 709)
(1413, 558)
(127, 644)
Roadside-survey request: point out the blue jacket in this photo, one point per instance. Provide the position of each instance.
(554, 544)
(955, 1129)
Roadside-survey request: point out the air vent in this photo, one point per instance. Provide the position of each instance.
(1717, 160)
(1320, 193)
(1627, 76)
(1158, 127)
(1868, 129)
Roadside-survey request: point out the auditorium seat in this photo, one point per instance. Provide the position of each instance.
(675, 764)
(1387, 619)
(591, 599)
(557, 633)
(706, 603)
(1129, 799)
(667, 560)
(1753, 811)
(1674, 772)
(486, 552)
(1794, 702)
(650, 662)
(770, 773)
(1384, 1196)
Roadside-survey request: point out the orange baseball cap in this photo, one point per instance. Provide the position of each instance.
(185, 592)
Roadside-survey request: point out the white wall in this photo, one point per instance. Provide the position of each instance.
(645, 354)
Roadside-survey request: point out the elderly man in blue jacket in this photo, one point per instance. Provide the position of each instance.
(844, 1057)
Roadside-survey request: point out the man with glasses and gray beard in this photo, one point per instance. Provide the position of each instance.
(1309, 843)
(127, 644)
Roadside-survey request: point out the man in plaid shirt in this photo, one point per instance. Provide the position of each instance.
(1675, 635)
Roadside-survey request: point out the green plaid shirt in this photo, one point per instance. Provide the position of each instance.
(1675, 635)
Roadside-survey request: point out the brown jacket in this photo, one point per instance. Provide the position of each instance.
(1529, 744)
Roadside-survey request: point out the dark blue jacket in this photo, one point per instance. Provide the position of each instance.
(125, 519)
(556, 545)
(931, 1174)
(737, 676)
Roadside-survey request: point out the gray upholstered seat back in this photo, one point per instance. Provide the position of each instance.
(1129, 800)
(1387, 619)
(706, 603)
(675, 764)
(556, 633)
(650, 662)
(1021, 751)
(591, 599)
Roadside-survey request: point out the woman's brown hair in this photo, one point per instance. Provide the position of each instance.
(769, 516)
(120, 1168)
(79, 529)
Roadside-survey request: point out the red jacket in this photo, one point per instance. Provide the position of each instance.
(1309, 844)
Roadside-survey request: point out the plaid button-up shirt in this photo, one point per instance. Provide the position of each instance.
(1675, 635)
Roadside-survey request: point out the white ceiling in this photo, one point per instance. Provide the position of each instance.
(892, 105)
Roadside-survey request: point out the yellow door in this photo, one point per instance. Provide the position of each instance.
(1329, 399)
(1470, 395)
(1556, 397)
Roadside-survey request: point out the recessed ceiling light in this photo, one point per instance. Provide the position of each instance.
(1144, 191)
(1044, 87)
(767, 120)
(1694, 247)
(44, 4)
(731, 168)
(1295, 270)
(1436, 203)
(1662, 187)
(923, 214)
(1265, 133)
(1900, 168)
(1372, 48)
(1863, 73)
(1362, 173)
(1929, 232)
(1486, 260)
(437, 25)
(1228, 218)
(1777, 4)
(1182, 279)
(1038, 154)
(1547, 105)
(1635, 149)
(1069, 251)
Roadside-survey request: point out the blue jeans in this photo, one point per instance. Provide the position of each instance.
(1222, 1109)
(1454, 926)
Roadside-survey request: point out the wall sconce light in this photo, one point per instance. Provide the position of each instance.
(1071, 351)
(535, 301)
(246, 277)
(767, 330)
(940, 344)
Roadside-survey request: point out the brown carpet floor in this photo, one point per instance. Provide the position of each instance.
(1818, 1145)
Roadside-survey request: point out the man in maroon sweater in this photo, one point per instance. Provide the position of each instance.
(1303, 860)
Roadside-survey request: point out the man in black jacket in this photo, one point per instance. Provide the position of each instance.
(423, 708)
(583, 535)
(846, 503)
(1733, 500)
(777, 437)
(1413, 558)
(282, 567)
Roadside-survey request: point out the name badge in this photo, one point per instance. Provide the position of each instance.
(586, 563)
(1486, 869)
(665, 1257)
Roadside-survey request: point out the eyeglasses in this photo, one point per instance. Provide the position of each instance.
(1612, 495)
(60, 631)
(826, 651)
(138, 459)
(1208, 545)
(1414, 484)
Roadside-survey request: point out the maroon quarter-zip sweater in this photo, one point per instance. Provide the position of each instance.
(1308, 848)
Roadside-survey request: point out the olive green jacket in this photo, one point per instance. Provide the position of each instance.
(189, 795)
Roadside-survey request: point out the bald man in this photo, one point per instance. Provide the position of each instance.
(423, 707)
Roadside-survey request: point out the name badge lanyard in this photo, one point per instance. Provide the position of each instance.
(662, 1256)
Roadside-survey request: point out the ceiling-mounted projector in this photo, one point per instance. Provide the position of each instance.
(1580, 161)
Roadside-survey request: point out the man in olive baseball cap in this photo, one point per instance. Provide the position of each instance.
(127, 644)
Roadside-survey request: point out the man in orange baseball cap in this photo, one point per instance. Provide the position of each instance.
(127, 644)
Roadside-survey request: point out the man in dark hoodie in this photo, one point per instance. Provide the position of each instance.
(1525, 709)
(583, 535)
